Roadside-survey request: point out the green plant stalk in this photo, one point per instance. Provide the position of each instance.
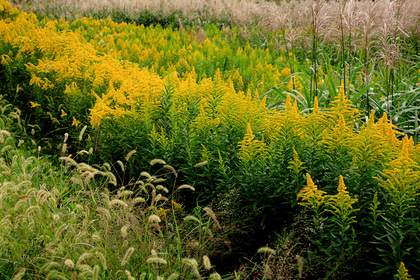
(314, 58)
(343, 58)
(177, 232)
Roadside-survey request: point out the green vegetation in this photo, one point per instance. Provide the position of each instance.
(172, 146)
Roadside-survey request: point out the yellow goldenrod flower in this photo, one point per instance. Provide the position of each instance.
(403, 273)
(286, 72)
(311, 196)
(296, 165)
(34, 104)
(341, 91)
(251, 149)
(162, 212)
(75, 122)
(341, 204)
(177, 206)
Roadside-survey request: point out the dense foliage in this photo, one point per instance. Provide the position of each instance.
(247, 131)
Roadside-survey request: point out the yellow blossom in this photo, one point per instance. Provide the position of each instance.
(286, 72)
(75, 122)
(311, 196)
(341, 204)
(403, 273)
(63, 114)
(177, 206)
(34, 104)
(162, 212)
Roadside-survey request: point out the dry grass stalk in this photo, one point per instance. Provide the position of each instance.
(269, 14)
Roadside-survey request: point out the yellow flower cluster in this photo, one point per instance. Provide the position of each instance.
(311, 196)
(403, 273)
(251, 149)
(164, 51)
(401, 178)
(341, 203)
(7, 10)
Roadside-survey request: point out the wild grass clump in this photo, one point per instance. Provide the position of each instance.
(63, 222)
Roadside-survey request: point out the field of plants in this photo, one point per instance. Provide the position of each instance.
(190, 139)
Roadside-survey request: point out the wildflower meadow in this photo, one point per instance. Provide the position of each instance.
(232, 139)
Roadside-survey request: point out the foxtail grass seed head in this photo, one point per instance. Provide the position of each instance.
(118, 202)
(167, 166)
(173, 276)
(185, 186)
(112, 179)
(266, 250)
(66, 136)
(206, 262)
(102, 258)
(215, 276)
(83, 257)
(48, 266)
(82, 132)
(121, 164)
(84, 268)
(208, 232)
(201, 163)
(212, 215)
(20, 274)
(192, 263)
(3, 132)
(154, 219)
(104, 213)
(300, 260)
(159, 180)
(192, 218)
(146, 174)
(69, 161)
(69, 263)
(124, 193)
(153, 253)
(124, 230)
(96, 270)
(157, 161)
(268, 273)
(128, 156)
(127, 256)
(160, 187)
(156, 260)
(64, 148)
(129, 276)
(107, 166)
(96, 237)
(138, 200)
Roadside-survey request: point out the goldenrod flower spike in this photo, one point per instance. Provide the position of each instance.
(371, 119)
(311, 196)
(341, 187)
(316, 106)
(403, 273)
(341, 204)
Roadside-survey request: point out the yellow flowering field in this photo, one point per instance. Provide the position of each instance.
(190, 99)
